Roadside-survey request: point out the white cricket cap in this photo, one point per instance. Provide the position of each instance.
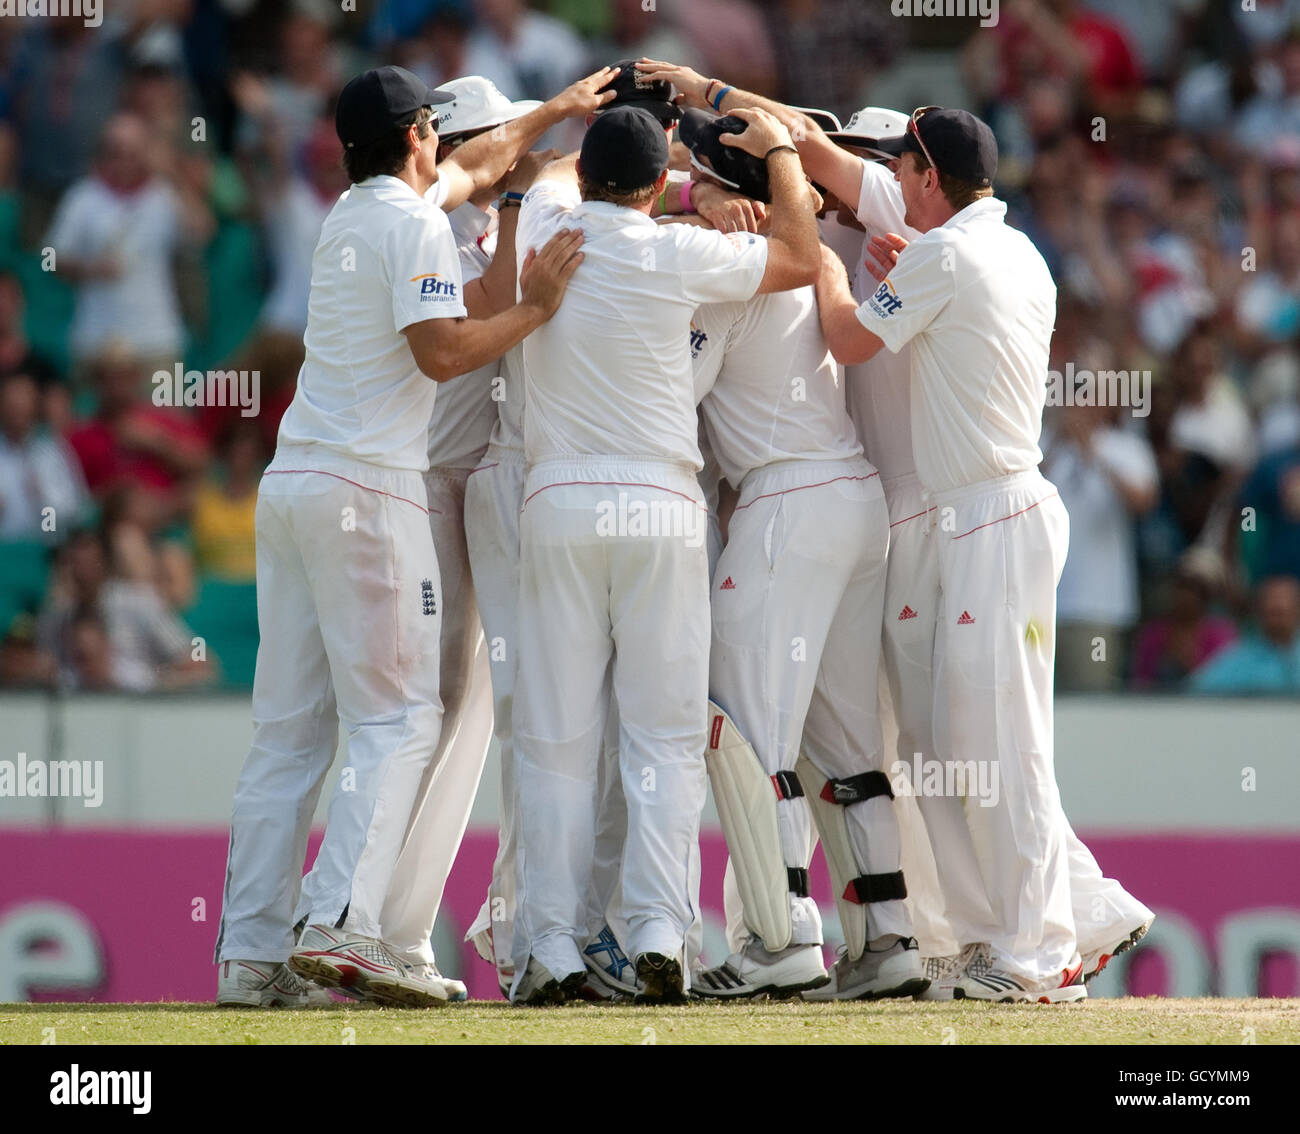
(869, 127)
(824, 118)
(477, 104)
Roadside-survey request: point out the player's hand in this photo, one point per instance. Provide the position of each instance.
(524, 172)
(882, 255)
(545, 274)
(690, 85)
(763, 133)
(585, 96)
(725, 210)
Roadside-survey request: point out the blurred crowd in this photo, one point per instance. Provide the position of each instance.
(163, 178)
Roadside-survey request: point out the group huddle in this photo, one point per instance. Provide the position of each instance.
(690, 459)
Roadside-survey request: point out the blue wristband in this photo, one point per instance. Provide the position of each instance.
(509, 196)
(717, 99)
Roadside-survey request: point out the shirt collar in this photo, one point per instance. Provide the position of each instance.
(389, 182)
(469, 222)
(609, 212)
(986, 208)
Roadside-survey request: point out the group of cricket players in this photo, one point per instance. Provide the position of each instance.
(704, 456)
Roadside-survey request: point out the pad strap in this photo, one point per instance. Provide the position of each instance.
(797, 879)
(876, 888)
(857, 789)
(787, 785)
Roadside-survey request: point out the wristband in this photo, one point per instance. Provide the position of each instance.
(717, 102)
(778, 149)
(663, 202)
(509, 200)
(708, 91)
(687, 207)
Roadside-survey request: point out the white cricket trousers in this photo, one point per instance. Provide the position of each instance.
(613, 588)
(797, 600)
(349, 604)
(1002, 544)
(451, 780)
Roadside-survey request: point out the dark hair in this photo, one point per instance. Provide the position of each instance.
(956, 192)
(387, 155)
(593, 192)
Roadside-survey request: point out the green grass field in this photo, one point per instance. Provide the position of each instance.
(1129, 1021)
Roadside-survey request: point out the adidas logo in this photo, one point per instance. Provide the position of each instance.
(906, 613)
(727, 584)
(965, 619)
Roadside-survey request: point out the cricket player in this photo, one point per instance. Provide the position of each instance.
(610, 439)
(349, 595)
(976, 301)
(796, 616)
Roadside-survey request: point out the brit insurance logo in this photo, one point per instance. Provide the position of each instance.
(885, 302)
(434, 288)
(698, 339)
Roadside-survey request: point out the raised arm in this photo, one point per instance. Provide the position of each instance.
(481, 162)
(849, 341)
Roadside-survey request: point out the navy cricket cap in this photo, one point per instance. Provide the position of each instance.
(624, 150)
(701, 133)
(631, 88)
(960, 145)
(375, 102)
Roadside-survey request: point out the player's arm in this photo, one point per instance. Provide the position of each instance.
(446, 348)
(824, 161)
(481, 162)
(849, 341)
(793, 256)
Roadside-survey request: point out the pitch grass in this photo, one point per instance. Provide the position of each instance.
(1128, 1021)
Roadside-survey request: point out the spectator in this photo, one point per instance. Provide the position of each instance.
(1106, 476)
(132, 441)
(115, 236)
(527, 54)
(1273, 114)
(1268, 659)
(1172, 647)
(1273, 496)
(37, 470)
(14, 346)
(1268, 304)
(23, 664)
(148, 646)
(224, 509)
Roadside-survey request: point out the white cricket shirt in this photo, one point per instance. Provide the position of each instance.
(610, 374)
(464, 413)
(772, 389)
(976, 302)
(386, 259)
(879, 390)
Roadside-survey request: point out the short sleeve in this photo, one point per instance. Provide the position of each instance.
(423, 264)
(880, 204)
(911, 296)
(544, 209)
(68, 232)
(718, 268)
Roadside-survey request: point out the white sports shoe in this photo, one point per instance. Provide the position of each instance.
(266, 984)
(756, 972)
(943, 973)
(610, 975)
(895, 970)
(1003, 987)
(365, 965)
(1097, 960)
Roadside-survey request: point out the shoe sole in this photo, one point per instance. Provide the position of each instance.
(1123, 947)
(772, 991)
(1067, 995)
(660, 984)
(331, 971)
(554, 992)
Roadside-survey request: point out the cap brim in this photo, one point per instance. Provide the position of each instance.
(664, 111)
(824, 118)
(517, 110)
(877, 147)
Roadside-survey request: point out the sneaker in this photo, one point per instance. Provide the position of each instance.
(943, 973)
(366, 966)
(1009, 988)
(895, 970)
(266, 984)
(1097, 960)
(659, 980)
(540, 988)
(610, 974)
(756, 972)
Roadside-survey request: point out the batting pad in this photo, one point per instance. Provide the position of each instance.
(833, 831)
(746, 797)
